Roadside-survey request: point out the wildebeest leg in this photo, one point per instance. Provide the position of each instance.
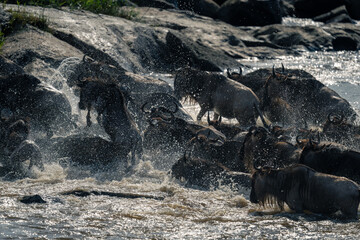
(350, 209)
(88, 118)
(201, 113)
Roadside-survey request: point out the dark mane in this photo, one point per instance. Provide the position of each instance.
(279, 182)
(192, 82)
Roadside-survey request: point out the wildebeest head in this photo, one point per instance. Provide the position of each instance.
(159, 114)
(95, 93)
(267, 187)
(197, 171)
(191, 83)
(17, 133)
(89, 68)
(255, 143)
(337, 128)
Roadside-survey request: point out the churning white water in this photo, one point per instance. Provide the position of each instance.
(183, 213)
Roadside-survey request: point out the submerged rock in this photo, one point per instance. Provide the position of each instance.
(32, 199)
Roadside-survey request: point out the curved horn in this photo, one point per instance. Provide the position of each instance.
(220, 118)
(208, 118)
(228, 72)
(240, 70)
(273, 71)
(176, 107)
(143, 108)
(282, 68)
(256, 167)
(332, 117)
(297, 139)
(165, 110)
(86, 58)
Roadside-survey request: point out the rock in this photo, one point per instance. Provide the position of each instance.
(207, 8)
(185, 52)
(346, 36)
(8, 67)
(219, 2)
(313, 8)
(353, 7)
(40, 60)
(339, 15)
(241, 12)
(154, 3)
(4, 18)
(310, 37)
(83, 149)
(32, 199)
(48, 109)
(345, 44)
(288, 8)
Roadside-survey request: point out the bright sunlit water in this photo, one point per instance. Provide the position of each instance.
(185, 213)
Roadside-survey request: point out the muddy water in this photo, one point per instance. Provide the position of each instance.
(184, 213)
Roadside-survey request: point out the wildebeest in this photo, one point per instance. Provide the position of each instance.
(302, 188)
(166, 131)
(229, 130)
(206, 174)
(336, 128)
(292, 96)
(28, 98)
(216, 92)
(226, 153)
(291, 99)
(89, 68)
(260, 146)
(331, 158)
(20, 154)
(109, 103)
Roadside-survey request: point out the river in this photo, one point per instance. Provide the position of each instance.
(184, 213)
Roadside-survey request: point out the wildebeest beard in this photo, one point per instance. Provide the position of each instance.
(275, 191)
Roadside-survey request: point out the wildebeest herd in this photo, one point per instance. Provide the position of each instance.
(295, 140)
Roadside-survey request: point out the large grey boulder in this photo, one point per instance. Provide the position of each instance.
(154, 3)
(309, 37)
(4, 18)
(185, 52)
(251, 12)
(7, 67)
(313, 8)
(207, 8)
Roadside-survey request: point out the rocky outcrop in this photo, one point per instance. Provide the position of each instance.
(313, 8)
(154, 3)
(207, 8)
(309, 37)
(250, 13)
(338, 15)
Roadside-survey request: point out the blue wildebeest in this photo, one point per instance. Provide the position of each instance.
(338, 129)
(108, 101)
(262, 145)
(302, 188)
(292, 98)
(331, 158)
(166, 131)
(206, 174)
(216, 92)
(20, 154)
